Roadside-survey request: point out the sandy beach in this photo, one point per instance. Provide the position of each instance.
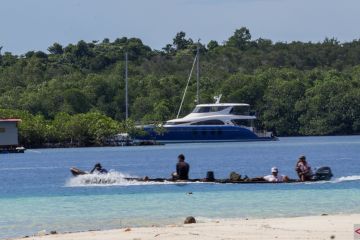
(312, 227)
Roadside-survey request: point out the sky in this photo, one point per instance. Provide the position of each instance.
(36, 24)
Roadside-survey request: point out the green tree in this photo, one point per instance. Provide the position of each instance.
(76, 101)
(240, 39)
(279, 113)
(180, 42)
(212, 45)
(56, 48)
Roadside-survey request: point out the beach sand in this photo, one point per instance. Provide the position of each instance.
(312, 227)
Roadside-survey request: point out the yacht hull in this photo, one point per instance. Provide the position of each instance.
(188, 134)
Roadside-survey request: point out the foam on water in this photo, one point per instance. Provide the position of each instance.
(347, 178)
(113, 178)
(338, 180)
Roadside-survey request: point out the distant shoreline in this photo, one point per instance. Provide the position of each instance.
(309, 227)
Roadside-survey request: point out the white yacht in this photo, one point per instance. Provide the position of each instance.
(218, 122)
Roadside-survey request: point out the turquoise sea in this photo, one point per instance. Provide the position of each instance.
(37, 191)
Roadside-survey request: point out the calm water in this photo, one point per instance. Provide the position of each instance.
(37, 191)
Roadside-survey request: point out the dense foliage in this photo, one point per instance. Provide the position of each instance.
(296, 88)
(85, 129)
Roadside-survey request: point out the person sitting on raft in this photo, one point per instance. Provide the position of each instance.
(182, 169)
(98, 169)
(275, 177)
(303, 169)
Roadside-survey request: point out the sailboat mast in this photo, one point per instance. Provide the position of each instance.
(126, 87)
(197, 72)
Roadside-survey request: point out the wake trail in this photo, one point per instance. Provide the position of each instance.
(351, 178)
(113, 178)
(346, 179)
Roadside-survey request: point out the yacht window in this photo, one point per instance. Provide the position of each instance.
(209, 109)
(176, 123)
(240, 110)
(209, 122)
(218, 109)
(242, 122)
(203, 110)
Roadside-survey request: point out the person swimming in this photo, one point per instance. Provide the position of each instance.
(303, 169)
(275, 177)
(98, 169)
(182, 169)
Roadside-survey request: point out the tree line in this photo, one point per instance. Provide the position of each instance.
(296, 88)
(65, 130)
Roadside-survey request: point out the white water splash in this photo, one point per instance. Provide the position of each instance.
(338, 180)
(112, 178)
(346, 179)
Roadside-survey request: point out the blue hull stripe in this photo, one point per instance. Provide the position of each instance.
(201, 134)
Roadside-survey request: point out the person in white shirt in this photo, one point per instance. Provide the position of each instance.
(275, 177)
